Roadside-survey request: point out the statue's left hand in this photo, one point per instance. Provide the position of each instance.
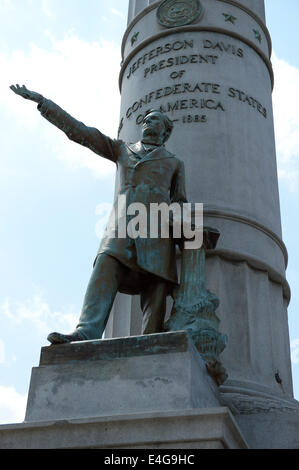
(27, 94)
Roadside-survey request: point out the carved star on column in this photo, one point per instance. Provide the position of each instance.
(134, 38)
(257, 35)
(228, 17)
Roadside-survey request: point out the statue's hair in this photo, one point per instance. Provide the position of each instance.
(166, 121)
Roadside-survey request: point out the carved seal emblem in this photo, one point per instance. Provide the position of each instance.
(174, 13)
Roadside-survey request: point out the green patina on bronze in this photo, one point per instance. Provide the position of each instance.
(148, 173)
(134, 38)
(175, 13)
(194, 307)
(230, 18)
(257, 35)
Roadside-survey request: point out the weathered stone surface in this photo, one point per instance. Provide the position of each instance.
(120, 376)
(144, 392)
(272, 429)
(268, 421)
(213, 428)
(116, 348)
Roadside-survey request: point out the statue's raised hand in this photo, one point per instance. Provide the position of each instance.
(27, 94)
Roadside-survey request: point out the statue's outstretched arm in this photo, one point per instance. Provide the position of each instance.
(75, 130)
(27, 94)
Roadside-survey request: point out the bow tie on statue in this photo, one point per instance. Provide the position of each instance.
(149, 147)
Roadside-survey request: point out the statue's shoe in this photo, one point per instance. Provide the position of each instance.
(59, 338)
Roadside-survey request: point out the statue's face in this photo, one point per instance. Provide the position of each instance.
(153, 128)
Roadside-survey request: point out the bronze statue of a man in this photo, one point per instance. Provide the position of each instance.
(148, 173)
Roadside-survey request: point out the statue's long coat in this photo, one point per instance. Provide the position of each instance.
(155, 177)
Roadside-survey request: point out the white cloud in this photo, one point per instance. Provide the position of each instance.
(295, 351)
(30, 316)
(2, 352)
(46, 7)
(36, 312)
(79, 76)
(118, 13)
(286, 117)
(12, 405)
(103, 210)
(4, 5)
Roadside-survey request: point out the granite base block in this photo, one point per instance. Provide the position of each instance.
(143, 392)
(276, 429)
(119, 376)
(210, 428)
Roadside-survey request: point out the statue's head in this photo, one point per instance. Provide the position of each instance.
(156, 127)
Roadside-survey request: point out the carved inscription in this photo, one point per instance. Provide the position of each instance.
(180, 60)
(178, 89)
(214, 102)
(200, 97)
(207, 53)
(158, 51)
(242, 96)
(221, 46)
(179, 105)
(193, 118)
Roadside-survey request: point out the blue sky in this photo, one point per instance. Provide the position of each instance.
(51, 189)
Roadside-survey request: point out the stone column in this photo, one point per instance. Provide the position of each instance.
(207, 66)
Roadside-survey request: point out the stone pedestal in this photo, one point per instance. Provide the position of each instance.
(120, 376)
(208, 428)
(138, 392)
